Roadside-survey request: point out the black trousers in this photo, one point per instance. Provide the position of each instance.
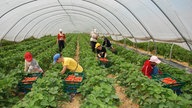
(61, 45)
(93, 46)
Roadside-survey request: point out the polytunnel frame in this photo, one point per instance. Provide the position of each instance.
(139, 23)
(53, 24)
(113, 15)
(45, 25)
(56, 6)
(63, 13)
(43, 19)
(94, 4)
(172, 23)
(17, 7)
(75, 14)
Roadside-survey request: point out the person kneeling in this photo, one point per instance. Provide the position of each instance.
(149, 68)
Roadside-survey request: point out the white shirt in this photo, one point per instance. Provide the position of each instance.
(94, 37)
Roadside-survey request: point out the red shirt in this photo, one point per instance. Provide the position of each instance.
(147, 69)
(61, 36)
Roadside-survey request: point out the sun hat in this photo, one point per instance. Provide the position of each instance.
(28, 56)
(155, 59)
(56, 57)
(97, 45)
(60, 30)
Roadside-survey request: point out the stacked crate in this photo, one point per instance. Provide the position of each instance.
(26, 83)
(72, 82)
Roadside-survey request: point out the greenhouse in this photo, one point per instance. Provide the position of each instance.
(96, 54)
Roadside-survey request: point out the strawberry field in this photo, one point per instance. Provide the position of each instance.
(97, 90)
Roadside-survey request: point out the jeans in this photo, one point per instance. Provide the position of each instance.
(155, 70)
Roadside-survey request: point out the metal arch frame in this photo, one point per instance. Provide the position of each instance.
(49, 28)
(40, 21)
(46, 26)
(56, 6)
(61, 10)
(139, 23)
(105, 9)
(16, 7)
(73, 23)
(172, 23)
(56, 22)
(76, 14)
(115, 17)
(34, 26)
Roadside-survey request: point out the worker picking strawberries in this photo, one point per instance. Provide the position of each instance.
(149, 68)
(67, 63)
(31, 65)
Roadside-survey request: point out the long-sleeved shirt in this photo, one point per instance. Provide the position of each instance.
(149, 70)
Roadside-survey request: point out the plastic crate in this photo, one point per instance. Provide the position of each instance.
(35, 75)
(175, 86)
(71, 86)
(26, 86)
(104, 64)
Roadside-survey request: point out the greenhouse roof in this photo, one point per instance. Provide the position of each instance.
(139, 20)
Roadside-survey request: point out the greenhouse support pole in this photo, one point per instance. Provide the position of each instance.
(148, 47)
(124, 41)
(186, 41)
(171, 50)
(1, 43)
(155, 47)
(139, 21)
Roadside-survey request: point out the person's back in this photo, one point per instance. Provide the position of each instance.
(149, 68)
(93, 40)
(72, 65)
(101, 51)
(106, 42)
(61, 40)
(31, 65)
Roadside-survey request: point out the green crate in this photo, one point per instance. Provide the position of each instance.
(23, 87)
(160, 77)
(81, 74)
(35, 75)
(72, 87)
(104, 64)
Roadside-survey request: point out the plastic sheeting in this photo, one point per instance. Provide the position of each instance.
(140, 20)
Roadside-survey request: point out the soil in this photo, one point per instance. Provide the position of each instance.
(74, 104)
(120, 92)
(77, 52)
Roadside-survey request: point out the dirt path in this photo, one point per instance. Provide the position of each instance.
(75, 102)
(77, 98)
(120, 92)
(77, 52)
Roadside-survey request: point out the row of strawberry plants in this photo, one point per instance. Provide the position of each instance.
(11, 44)
(146, 92)
(47, 91)
(97, 90)
(165, 68)
(19, 46)
(13, 57)
(10, 81)
(163, 49)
